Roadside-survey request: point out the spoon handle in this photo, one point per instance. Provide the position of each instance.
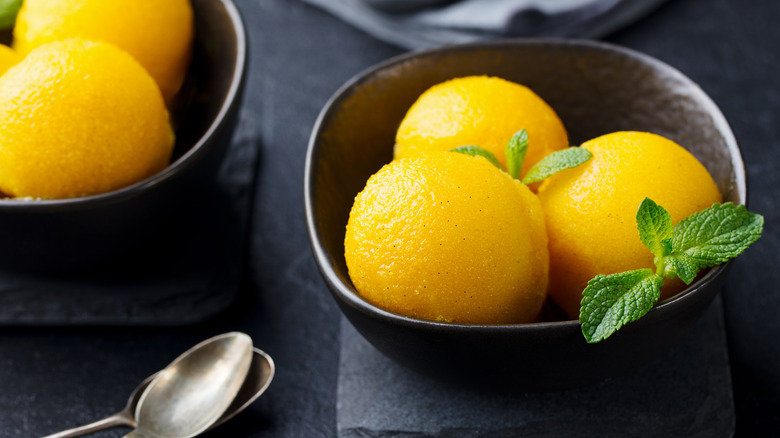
(118, 419)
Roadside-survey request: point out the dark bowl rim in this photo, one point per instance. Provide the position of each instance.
(345, 293)
(183, 162)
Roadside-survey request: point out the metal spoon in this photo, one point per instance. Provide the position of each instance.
(191, 393)
(258, 378)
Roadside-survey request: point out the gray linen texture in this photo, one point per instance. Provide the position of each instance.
(433, 24)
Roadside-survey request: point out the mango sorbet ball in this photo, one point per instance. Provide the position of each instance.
(79, 118)
(8, 57)
(157, 33)
(448, 237)
(480, 111)
(591, 209)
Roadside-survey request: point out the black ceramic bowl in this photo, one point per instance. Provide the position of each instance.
(56, 235)
(595, 88)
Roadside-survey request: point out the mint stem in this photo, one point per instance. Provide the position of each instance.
(660, 266)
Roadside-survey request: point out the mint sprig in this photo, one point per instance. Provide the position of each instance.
(655, 227)
(704, 239)
(610, 301)
(8, 11)
(515, 152)
(556, 162)
(476, 151)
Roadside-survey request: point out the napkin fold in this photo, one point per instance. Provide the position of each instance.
(473, 20)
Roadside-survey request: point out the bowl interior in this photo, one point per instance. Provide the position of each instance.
(595, 88)
(217, 63)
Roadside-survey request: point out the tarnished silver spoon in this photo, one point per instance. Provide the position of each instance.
(258, 377)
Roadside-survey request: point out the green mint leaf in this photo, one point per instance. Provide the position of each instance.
(681, 265)
(711, 237)
(476, 151)
(556, 162)
(655, 227)
(515, 152)
(8, 11)
(610, 301)
(666, 246)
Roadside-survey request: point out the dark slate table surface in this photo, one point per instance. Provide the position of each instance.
(54, 378)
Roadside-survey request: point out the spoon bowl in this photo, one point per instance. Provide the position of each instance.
(191, 393)
(258, 378)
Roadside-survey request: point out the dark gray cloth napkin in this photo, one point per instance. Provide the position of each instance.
(472, 20)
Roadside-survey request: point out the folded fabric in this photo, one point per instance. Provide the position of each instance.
(473, 20)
